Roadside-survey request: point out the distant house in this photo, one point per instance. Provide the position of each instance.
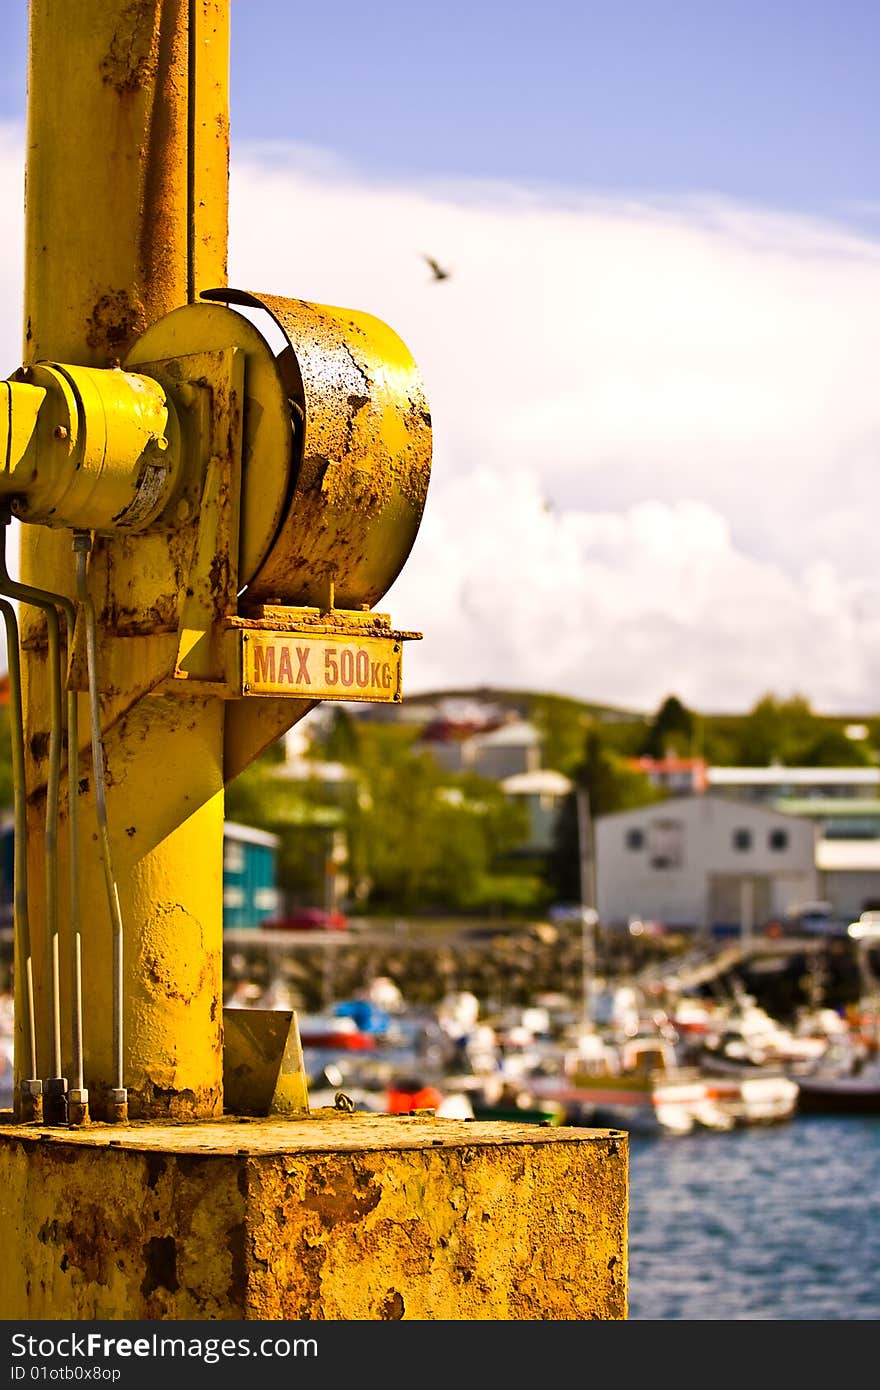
(514, 747)
(849, 875)
(703, 862)
(843, 806)
(500, 750)
(776, 782)
(677, 776)
(542, 792)
(299, 764)
(249, 892)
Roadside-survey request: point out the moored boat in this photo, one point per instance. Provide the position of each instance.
(840, 1095)
(755, 1100)
(845, 1082)
(637, 1085)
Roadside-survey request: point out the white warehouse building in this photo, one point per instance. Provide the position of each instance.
(703, 862)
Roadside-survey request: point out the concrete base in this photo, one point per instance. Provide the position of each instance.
(332, 1217)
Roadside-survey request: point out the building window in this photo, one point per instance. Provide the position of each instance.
(635, 839)
(666, 844)
(742, 839)
(233, 857)
(778, 839)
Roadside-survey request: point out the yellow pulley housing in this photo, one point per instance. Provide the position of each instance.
(336, 453)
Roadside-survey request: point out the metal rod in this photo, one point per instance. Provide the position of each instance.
(19, 791)
(78, 1102)
(39, 598)
(82, 545)
(586, 861)
(78, 1096)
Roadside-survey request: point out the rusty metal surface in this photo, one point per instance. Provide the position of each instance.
(361, 477)
(323, 1130)
(334, 1217)
(263, 1068)
(200, 329)
(113, 242)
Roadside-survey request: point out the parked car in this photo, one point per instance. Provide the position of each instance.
(818, 919)
(308, 919)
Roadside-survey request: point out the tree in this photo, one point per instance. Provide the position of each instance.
(420, 838)
(777, 731)
(671, 732)
(832, 748)
(299, 812)
(561, 723)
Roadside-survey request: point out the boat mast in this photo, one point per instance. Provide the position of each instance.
(589, 915)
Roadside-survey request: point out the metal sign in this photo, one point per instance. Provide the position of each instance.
(321, 668)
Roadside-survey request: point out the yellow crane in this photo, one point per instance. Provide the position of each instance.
(208, 524)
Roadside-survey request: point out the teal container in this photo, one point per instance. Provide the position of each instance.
(250, 894)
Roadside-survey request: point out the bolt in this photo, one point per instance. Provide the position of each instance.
(117, 1106)
(61, 432)
(246, 688)
(245, 637)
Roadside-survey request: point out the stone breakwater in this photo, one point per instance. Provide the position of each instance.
(511, 965)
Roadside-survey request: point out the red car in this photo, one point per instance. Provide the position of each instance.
(308, 919)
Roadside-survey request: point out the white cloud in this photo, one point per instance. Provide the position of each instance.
(656, 426)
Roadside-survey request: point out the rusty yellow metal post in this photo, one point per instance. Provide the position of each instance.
(126, 219)
(216, 524)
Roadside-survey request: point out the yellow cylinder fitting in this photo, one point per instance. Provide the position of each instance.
(96, 450)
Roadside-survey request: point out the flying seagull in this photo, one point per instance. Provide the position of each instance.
(437, 270)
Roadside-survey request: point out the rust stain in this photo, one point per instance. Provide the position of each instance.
(131, 60)
(160, 1265)
(156, 1166)
(150, 1102)
(39, 746)
(393, 1306)
(114, 322)
(333, 1196)
(237, 1244)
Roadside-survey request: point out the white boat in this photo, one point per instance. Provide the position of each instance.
(747, 1039)
(637, 1085)
(755, 1100)
(642, 1086)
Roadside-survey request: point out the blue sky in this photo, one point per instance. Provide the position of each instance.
(764, 101)
(652, 372)
(771, 101)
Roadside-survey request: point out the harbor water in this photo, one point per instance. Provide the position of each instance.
(779, 1222)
